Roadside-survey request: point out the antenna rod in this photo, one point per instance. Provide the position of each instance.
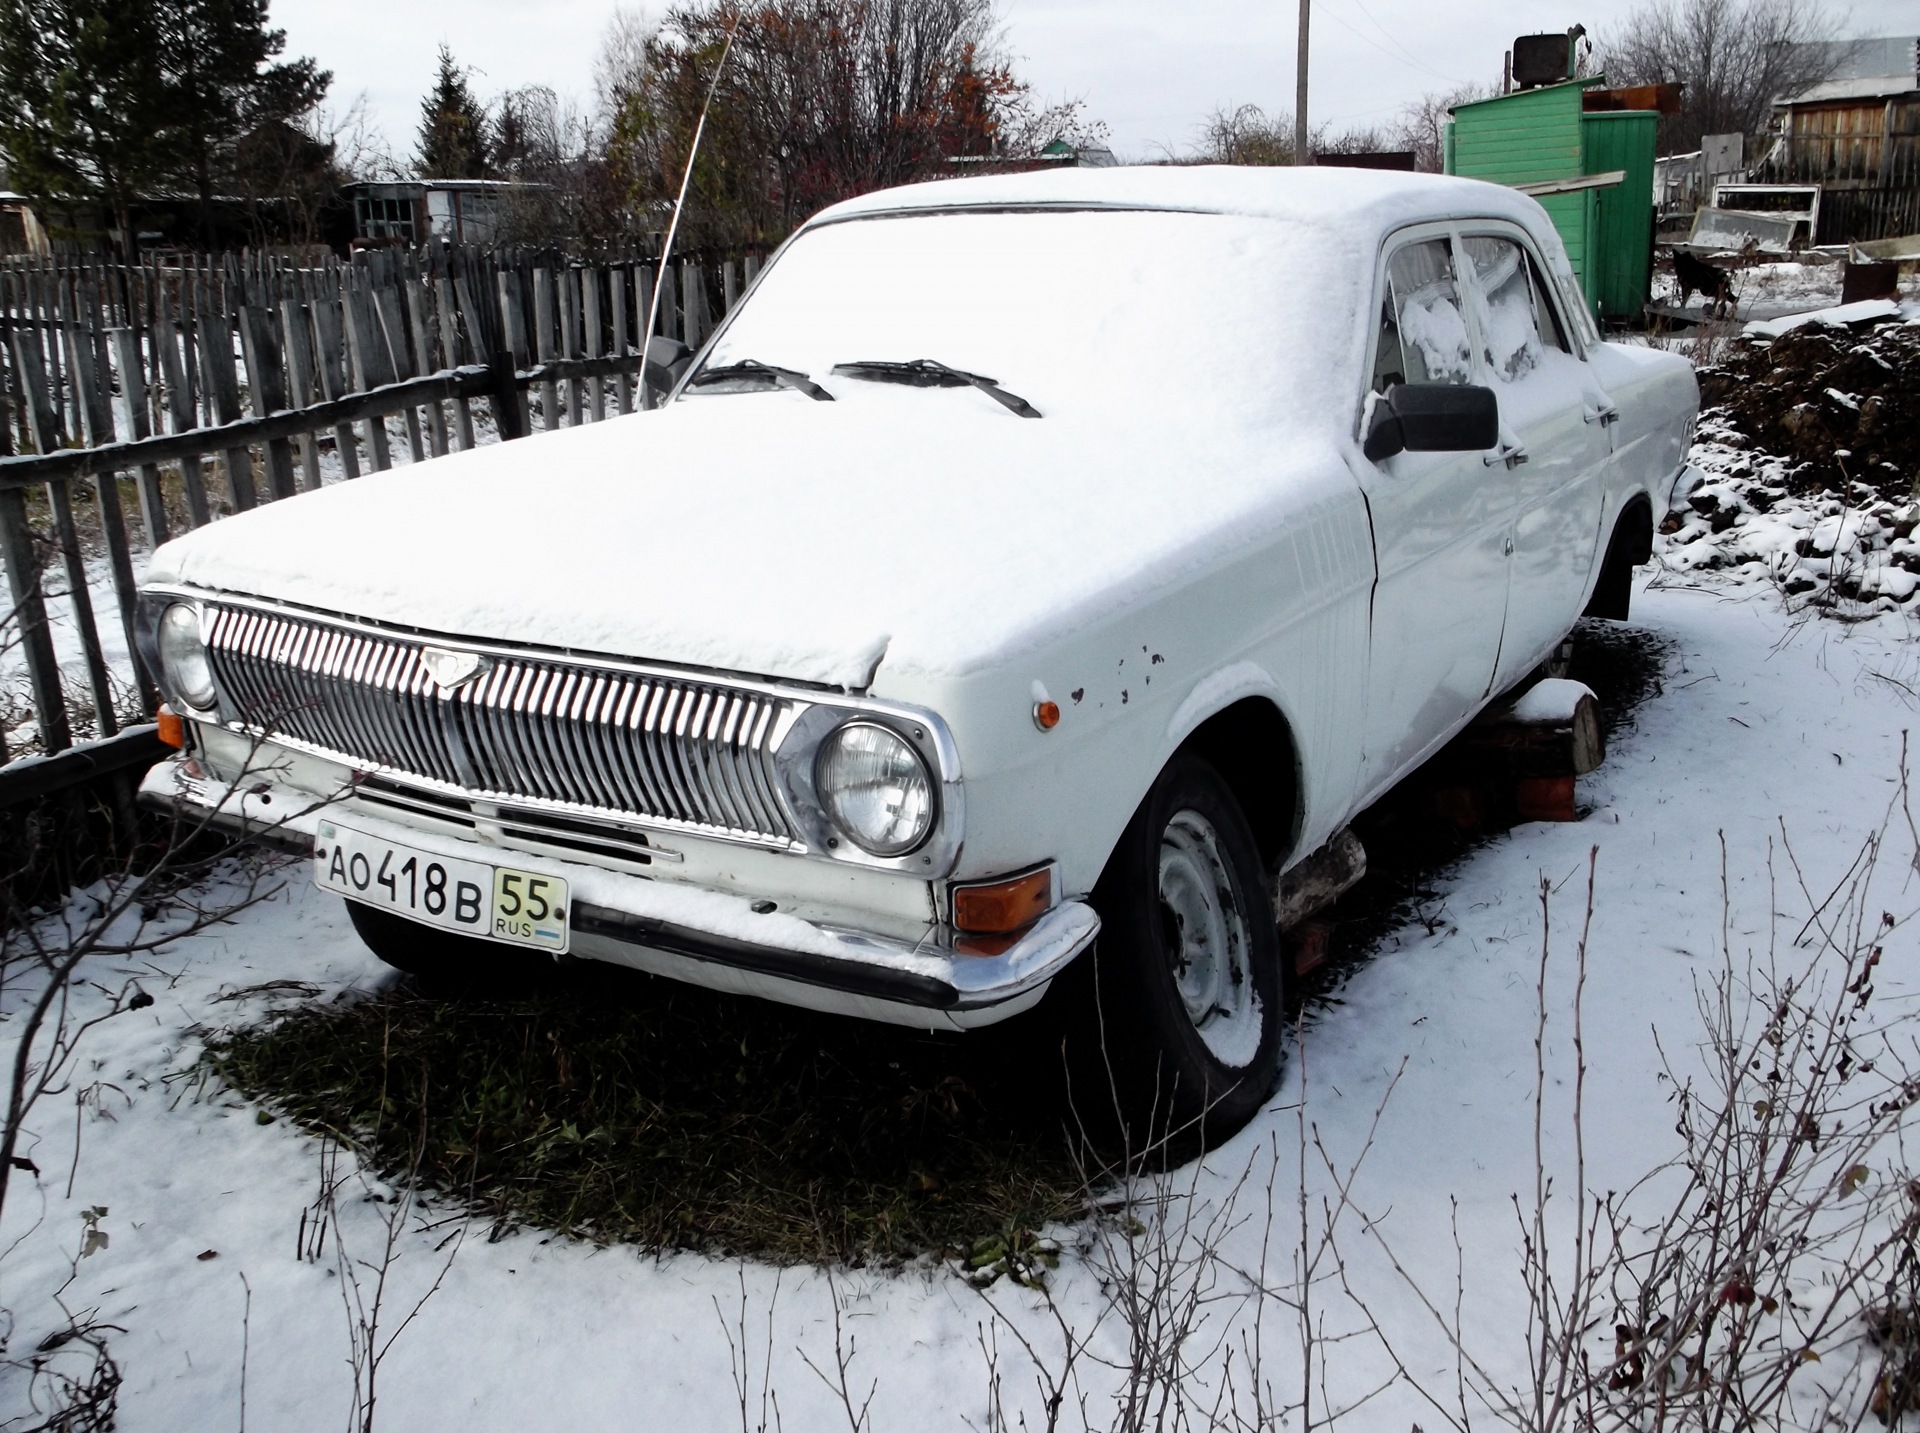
(673, 225)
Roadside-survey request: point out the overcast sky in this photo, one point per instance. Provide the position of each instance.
(1151, 70)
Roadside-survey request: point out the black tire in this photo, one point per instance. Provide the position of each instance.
(441, 960)
(1167, 1076)
(1629, 547)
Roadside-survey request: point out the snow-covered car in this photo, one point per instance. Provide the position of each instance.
(1026, 560)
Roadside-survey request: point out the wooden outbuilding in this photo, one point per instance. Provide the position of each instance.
(1857, 137)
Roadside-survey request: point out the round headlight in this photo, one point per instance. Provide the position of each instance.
(183, 657)
(876, 788)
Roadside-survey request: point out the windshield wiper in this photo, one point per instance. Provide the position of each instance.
(926, 373)
(751, 370)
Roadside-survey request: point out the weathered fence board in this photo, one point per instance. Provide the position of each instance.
(143, 373)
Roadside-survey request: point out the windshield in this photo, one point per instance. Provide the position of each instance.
(1071, 310)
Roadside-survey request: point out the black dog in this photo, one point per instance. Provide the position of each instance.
(1714, 283)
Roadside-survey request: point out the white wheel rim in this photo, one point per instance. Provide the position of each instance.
(1205, 934)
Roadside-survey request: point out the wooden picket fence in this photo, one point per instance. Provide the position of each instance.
(195, 388)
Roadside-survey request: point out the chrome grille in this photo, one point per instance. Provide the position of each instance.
(685, 752)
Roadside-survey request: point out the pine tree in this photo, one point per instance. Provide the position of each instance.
(510, 145)
(83, 102)
(105, 100)
(453, 127)
(225, 90)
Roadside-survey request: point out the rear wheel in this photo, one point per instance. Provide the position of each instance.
(439, 958)
(1188, 982)
(1629, 547)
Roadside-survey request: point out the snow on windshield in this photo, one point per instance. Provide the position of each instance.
(1073, 311)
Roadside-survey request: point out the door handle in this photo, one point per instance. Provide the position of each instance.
(1507, 549)
(1512, 454)
(1605, 415)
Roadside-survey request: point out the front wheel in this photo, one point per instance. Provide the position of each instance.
(1188, 976)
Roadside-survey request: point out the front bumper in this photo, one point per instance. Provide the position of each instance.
(922, 977)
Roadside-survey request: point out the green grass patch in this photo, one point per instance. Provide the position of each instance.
(620, 1108)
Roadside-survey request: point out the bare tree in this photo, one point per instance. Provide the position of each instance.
(620, 66)
(1421, 125)
(360, 149)
(1732, 58)
(820, 100)
(1247, 134)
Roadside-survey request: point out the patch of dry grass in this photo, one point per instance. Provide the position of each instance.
(625, 1109)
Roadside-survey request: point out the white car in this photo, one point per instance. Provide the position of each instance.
(1026, 560)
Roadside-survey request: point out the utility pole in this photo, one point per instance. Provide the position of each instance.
(1300, 155)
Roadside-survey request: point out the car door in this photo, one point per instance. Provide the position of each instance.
(1554, 445)
(1441, 523)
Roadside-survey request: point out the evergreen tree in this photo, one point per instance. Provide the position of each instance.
(227, 93)
(105, 100)
(453, 127)
(83, 101)
(510, 143)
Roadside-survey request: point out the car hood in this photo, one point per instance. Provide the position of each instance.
(767, 534)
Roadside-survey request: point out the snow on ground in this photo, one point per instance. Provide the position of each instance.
(1770, 290)
(1762, 719)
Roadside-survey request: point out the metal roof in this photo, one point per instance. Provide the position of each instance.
(1868, 88)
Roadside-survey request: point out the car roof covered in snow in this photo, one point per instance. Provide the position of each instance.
(1347, 199)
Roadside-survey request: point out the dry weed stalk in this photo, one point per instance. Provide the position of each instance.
(364, 1282)
(1740, 1284)
(740, 1358)
(1743, 1303)
(119, 919)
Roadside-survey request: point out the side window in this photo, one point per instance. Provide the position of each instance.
(1423, 331)
(1509, 321)
(1543, 305)
(1517, 316)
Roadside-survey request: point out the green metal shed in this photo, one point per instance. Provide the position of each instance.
(1545, 138)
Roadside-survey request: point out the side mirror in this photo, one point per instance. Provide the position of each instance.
(666, 364)
(667, 360)
(1432, 418)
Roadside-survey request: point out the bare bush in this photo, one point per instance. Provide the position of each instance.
(1744, 1282)
(1730, 57)
(822, 99)
(1247, 134)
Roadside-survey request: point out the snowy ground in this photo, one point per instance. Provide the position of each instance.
(1769, 290)
(1763, 719)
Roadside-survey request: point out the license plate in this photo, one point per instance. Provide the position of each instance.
(470, 897)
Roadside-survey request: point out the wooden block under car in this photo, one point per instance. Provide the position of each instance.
(1518, 760)
(1551, 729)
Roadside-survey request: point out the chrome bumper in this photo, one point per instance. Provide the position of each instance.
(686, 932)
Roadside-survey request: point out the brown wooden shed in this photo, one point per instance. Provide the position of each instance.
(1858, 138)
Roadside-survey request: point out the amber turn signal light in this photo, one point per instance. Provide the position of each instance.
(171, 728)
(1004, 905)
(1046, 715)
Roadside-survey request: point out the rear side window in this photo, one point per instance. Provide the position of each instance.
(1517, 322)
(1423, 329)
